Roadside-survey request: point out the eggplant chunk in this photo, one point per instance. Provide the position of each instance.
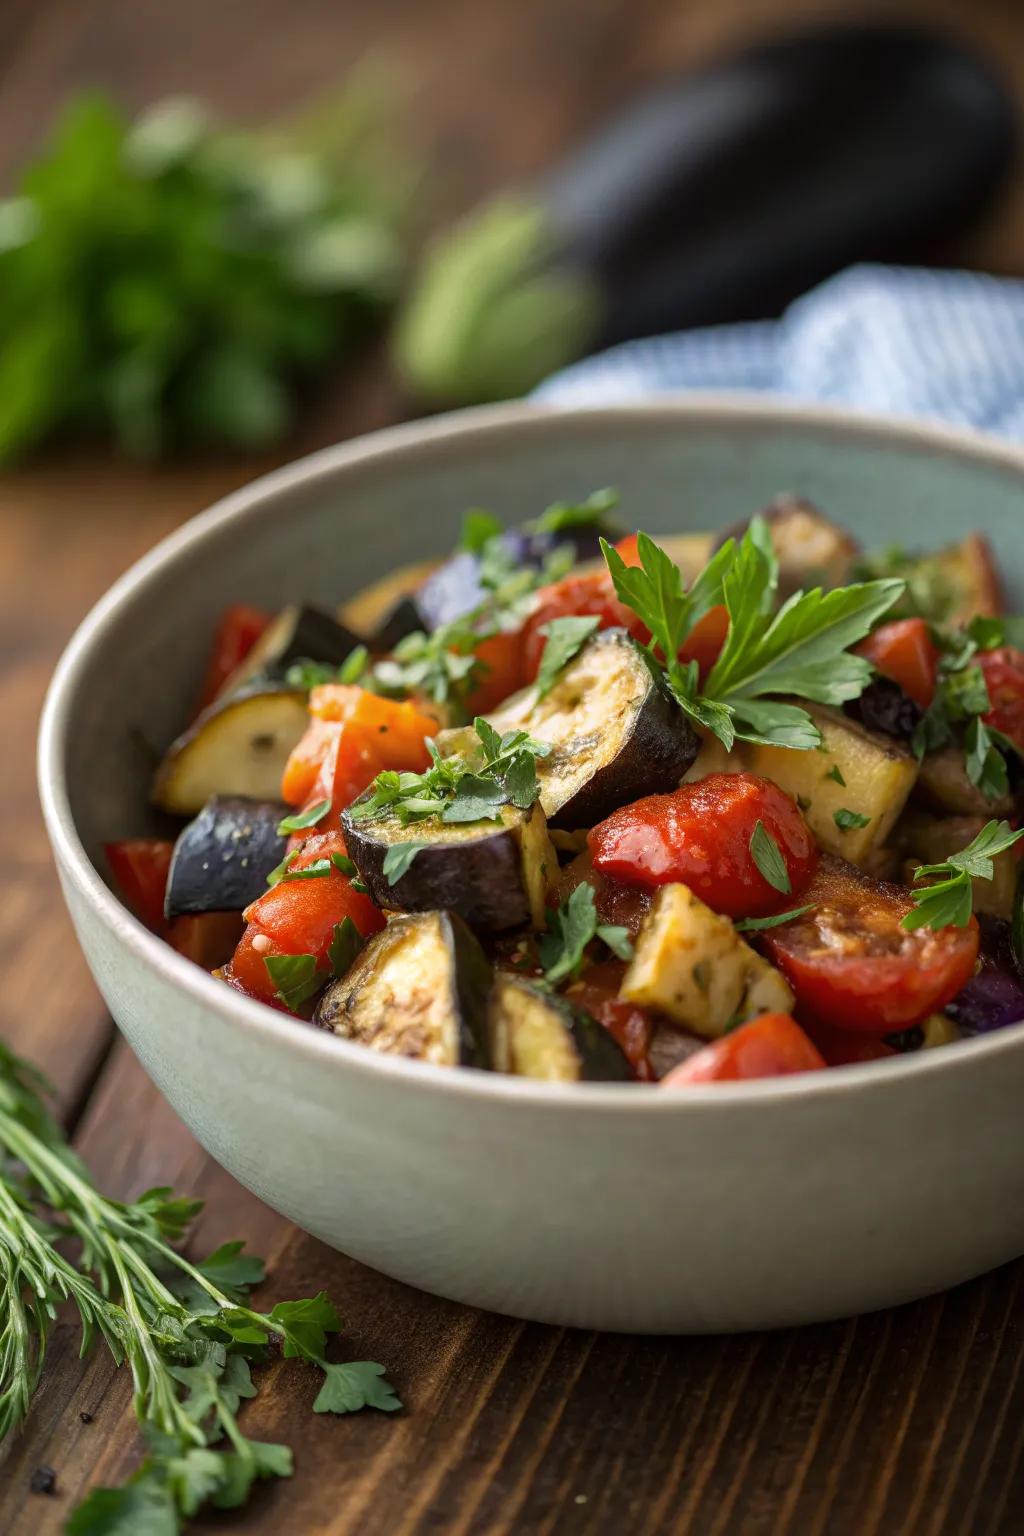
(943, 786)
(856, 770)
(811, 551)
(298, 633)
(534, 1033)
(419, 989)
(691, 965)
(222, 858)
(615, 732)
(495, 874)
(238, 746)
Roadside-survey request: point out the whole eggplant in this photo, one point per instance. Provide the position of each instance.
(718, 196)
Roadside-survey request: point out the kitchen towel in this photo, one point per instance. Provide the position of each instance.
(895, 340)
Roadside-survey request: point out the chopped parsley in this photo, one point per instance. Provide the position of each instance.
(501, 770)
(756, 924)
(563, 516)
(847, 821)
(836, 773)
(802, 650)
(398, 859)
(946, 900)
(303, 819)
(767, 856)
(570, 929)
(296, 978)
(346, 944)
(565, 638)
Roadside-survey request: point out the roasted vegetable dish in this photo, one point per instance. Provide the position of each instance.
(575, 805)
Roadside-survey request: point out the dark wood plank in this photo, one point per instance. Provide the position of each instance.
(909, 1422)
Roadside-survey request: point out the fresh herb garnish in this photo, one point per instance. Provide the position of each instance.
(398, 859)
(344, 864)
(478, 528)
(296, 978)
(756, 924)
(565, 638)
(767, 856)
(947, 900)
(801, 651)
(570, 929)
(836, 773)
(444, 665)
(186, 1331)
(306, 675)
(303, 819)
(564, 516)
(346, 944)
(166, 285)
(472, 786)
(847, 820)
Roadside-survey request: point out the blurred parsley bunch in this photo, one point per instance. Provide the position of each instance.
(168, 285)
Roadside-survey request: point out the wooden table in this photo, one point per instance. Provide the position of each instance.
(906, 1422)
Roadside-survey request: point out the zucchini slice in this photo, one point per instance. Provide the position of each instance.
(299, 633)
(238, 746)
(222, 859)
(419, 989)
(615, 732)
(691, 965)
(495, 874)
(534, 1033)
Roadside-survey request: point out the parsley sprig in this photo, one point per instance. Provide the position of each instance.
(444, 665)
(186, 1331)
(570, 929)
(802, 650)
(947, 898)
(471, 785)
(961, 699)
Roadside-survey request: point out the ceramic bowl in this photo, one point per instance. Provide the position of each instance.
(730, 1207)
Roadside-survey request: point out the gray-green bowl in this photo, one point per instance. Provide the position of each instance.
(731, 1207)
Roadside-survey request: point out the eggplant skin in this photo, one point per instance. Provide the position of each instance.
(539, 1034)
(222, 859)
(419, 989)
(475, 871)
(615, 730)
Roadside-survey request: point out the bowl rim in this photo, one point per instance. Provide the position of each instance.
(325, 1050)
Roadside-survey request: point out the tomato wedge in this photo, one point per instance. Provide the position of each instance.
(773, 1045)
(298, 917)
(1003, 671)
(598, 994)
(591, 594)
(140, 865)
(905, 652)
(851, 964)
(700, 835)
(239, 629)
(501, 655)
(352, 735)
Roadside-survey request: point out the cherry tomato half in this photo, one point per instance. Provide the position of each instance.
(700, 835)
(852, 965)
(589, 594)
(298, 917)
(1003, 671)
(773, 1045)
(905, 652)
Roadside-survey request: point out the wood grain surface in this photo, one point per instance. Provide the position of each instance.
(902, 1423)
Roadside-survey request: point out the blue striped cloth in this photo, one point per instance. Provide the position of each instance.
(894, 340)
